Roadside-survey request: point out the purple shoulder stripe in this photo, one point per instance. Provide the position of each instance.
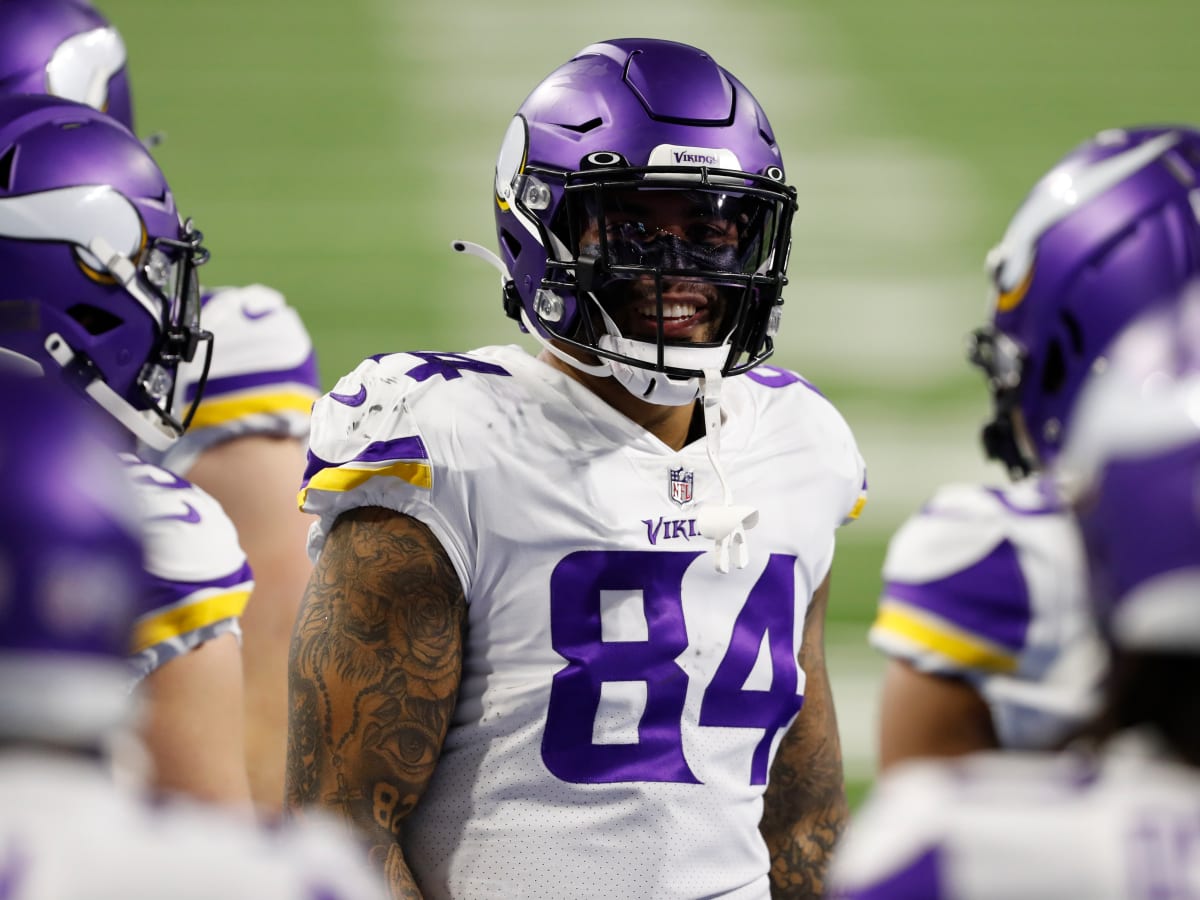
(306, 373)
(405, 448)
(921, 879)
(989, 599)
(166, 586)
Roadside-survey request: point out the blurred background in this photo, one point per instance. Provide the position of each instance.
(333, 151)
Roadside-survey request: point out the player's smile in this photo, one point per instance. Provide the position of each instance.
(690, 312)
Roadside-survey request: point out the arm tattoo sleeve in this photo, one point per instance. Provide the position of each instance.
(804, 808)
(375, 664)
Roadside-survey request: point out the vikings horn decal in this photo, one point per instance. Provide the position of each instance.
(74, 215)
(83, 64)
(1059, 194)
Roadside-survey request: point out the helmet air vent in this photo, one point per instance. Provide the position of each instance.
(1074, 330)
(6, 167)
(583, 127)
(93, 319)
(511, 244)
(1055, 371)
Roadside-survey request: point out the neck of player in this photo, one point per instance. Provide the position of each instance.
(673, 425)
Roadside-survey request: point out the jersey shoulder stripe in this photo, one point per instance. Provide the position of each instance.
(198, 578)
(183, 608)
(405, 458)
(978, 616)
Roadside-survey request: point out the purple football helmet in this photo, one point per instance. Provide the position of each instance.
(1133, 460)
(643, 217)
(65, 48)
(99, 271)
(1111, 229)
(71, 568)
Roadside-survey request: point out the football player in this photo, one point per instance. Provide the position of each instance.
(566, 609)
(245, 442)
(74, 586)
(1119, 821)
(99, 290)
(983, 613)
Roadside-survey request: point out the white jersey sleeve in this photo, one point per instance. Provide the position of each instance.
(988, 585)
(113, 845)
(1035, 826)
(621, 699)
(263, 378)
(198, 577)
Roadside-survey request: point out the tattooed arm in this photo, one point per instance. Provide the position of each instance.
(375, 665)
(804, 808)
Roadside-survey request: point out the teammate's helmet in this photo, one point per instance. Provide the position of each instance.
(642, 212)
(1110, 229)
(71, 582)
(65, 48)
(99, 279)
(1133, 459)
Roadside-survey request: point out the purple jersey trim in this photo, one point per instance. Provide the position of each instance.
(1053, 506)
(919, 880)
(775, 377)
(305, 373)
(989, 599)
(170, 590)
(405, 448)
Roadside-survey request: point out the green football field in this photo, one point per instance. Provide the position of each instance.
(334, 151)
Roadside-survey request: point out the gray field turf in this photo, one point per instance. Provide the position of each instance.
(334, 150)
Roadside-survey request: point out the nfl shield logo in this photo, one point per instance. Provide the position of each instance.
(681, 485)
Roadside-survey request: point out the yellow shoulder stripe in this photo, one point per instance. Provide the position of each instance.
(938, 636)
(184, 618)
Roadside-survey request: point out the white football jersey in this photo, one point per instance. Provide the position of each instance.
(621, 700)
(263, 378)
(67, 833)
(199, 579)
(989, 585)
(999, 826)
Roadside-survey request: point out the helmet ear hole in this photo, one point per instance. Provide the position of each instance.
(93, 319)
(1054, 373)
(511, 244)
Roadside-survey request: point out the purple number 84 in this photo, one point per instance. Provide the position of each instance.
(768, 613)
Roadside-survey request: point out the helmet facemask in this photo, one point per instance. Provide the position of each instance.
(672, 271)
(1002, 362)
(168, 269)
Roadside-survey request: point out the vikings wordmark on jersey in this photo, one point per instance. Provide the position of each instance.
(615, 685)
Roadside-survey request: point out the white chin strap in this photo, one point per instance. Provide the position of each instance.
(651, 386)
(148, 430)
(725, 524)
